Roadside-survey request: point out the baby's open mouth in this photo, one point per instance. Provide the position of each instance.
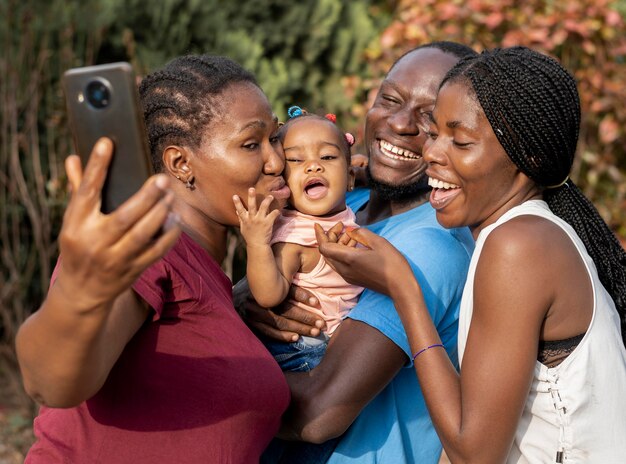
(315, 188)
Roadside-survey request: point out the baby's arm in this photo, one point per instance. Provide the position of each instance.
(269, 277)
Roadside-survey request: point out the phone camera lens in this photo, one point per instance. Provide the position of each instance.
(98, 94)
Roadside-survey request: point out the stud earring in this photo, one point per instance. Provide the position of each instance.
(189, 184)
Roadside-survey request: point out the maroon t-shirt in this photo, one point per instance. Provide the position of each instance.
(194, 385)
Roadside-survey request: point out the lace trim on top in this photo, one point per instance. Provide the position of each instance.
(554, 352)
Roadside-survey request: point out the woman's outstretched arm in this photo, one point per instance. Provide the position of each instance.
(475, 413)
(67, 348)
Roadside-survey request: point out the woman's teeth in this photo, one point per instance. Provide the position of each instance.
(396, 152)
(435, 183)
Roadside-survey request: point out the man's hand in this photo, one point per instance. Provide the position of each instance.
(359, 163)
(286, 322)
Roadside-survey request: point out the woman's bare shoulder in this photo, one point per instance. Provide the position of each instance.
(527, 237)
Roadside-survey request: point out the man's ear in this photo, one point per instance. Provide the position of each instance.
(177, 162)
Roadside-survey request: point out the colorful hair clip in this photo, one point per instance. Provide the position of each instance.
(349, 138)
(294, 111)
(331, 117)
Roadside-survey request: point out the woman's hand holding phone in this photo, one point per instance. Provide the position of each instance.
(103, 254)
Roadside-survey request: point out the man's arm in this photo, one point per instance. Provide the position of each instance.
(361, 360)
(284, 323)
(326, 400)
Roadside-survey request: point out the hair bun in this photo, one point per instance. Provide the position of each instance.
(294, 111)
(349, 138)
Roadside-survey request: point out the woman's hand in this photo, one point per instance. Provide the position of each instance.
(103, 254)
(376, 264)
(91, 312)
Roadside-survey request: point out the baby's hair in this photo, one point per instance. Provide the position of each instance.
(180, 99)
(296, 113)
(533, 107)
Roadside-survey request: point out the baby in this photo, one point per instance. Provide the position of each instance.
(318, 172)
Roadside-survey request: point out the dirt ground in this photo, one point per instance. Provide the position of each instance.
(15, 435)
(16, 418)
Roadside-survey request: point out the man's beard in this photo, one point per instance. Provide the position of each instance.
(397, 193)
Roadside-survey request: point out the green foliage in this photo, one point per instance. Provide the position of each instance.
(299, 51)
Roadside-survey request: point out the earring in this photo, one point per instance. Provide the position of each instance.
(189, 184)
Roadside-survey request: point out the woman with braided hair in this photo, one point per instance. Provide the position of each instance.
(543, 364)
(137, 354)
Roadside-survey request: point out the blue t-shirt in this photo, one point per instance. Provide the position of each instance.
(395, 426)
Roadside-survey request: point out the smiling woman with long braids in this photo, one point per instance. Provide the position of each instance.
(543, 364)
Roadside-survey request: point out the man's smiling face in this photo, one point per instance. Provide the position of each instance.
(395, 125)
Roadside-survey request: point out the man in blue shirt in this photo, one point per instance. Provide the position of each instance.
(365, 390)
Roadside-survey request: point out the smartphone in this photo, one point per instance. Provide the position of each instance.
(103, 100)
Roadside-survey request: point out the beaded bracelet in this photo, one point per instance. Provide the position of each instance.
(427, 348)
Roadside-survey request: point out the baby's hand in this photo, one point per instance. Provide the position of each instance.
(256, 224)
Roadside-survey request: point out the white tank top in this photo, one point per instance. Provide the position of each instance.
(575, 412)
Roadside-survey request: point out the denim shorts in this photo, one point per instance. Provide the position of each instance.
(298, 452)
(299, 356)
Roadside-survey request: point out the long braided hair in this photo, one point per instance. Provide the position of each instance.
(179, 100)
(533, 107)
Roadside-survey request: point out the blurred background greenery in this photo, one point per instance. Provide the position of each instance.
(325, 55)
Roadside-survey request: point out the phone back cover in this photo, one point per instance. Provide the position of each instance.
(121, 120)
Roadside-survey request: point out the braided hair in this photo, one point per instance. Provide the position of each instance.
(179, 100)
(533, 107)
